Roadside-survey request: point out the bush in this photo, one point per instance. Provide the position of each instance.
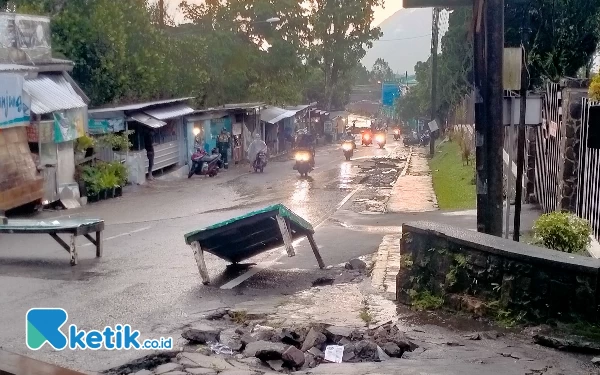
(84, 142)
(595, 88)
(562, 231)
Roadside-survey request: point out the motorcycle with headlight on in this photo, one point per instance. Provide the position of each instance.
(380, 139)
(303, 162)
(396, 134)
(348, 148)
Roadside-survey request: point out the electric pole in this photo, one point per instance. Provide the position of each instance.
(434, 62)
(161, 13)
(494, 109)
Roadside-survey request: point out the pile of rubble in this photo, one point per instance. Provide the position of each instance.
(289, 349)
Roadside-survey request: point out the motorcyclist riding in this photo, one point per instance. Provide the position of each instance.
(256, 146)
(306, 142)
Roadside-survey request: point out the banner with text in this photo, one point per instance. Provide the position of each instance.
(14, 104)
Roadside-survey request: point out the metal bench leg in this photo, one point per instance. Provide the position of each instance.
(315, 250)
(73, 251)
(99, 244)
(287, 237)
(199, 255)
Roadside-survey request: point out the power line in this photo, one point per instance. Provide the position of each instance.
(412, 37)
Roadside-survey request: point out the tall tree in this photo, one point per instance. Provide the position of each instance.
(381, 71)
(341, 32)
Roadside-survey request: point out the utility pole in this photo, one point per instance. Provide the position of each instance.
(161, 13)
(521, 133)
(434, 67)
(494, 109)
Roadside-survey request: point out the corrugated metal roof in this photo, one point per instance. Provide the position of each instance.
(169, 112)
(147, 120)
(51, 94)
(273, 115)
(297, 108)
(138, 106)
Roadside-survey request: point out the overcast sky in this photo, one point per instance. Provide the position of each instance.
(380, 13)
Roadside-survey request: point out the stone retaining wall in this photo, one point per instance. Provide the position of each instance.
(489, 275)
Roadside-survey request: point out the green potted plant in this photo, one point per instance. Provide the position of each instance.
(117, 142)
(120, 171)
(85, 146)
(91, 177)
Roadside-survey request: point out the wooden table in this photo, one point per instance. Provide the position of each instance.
(71, 227)
(15, 364)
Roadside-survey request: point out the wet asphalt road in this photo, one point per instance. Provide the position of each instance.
(148, 277)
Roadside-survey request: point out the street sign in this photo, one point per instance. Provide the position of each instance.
(389, 93)
(433, 126)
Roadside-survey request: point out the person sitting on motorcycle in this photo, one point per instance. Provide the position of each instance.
(256, 147)
(349, 137)
(306, 142)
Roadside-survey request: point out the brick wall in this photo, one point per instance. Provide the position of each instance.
(20, 182)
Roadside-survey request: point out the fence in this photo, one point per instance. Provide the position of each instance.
(588, 197)
(547, 150)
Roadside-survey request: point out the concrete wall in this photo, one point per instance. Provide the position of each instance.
(20, 182)
(487, 275)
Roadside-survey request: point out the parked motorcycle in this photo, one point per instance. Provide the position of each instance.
(348, 147)
(380, 138)
(260, 162)
(396, 134)
(204, 164)
(366, 139)
(303, 162)
(411, 140)
(425, 139)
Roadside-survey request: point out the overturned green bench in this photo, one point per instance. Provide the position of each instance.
(15, 364)
(243, 237)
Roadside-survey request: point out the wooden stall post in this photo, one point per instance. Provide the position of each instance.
(99, 244)
(315, 250)
(199, 255)
(73, 251)
(285, 234)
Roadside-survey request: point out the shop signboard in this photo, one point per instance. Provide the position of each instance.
(24, 38)
(328, 127)
(104, 126)
(69, 125)
(389, 93)
(14, 104)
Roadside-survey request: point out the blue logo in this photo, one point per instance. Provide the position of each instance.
(44, 326)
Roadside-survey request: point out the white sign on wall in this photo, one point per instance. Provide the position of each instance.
(14, 104)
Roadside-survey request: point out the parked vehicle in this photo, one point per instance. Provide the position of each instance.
(204, 164)
(348, 147)
(425, 138)
(411, 140)
(304, 163)
(381, 140)
(260, 162)
(396, 134)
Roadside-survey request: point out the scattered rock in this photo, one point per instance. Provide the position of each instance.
(293, 357)
(212, 362)
(381, 356)
(314, 338)
(216, 315)
(276, 365)
(265, 350)
(201, 334)
(492, 335)
(596, 361)
(167, 367)
(247, 339)
(238, 372)
(473, 336)
(143, 372)
(356, 264)
(336, 333)
(316, 352)
(186, 362)
(568, 344)
(323, 281)
(344, 341)
(454, 343)
(293, 337)
(366, 351)
(201, 371)
(404, 342)
(263, 333)
(234, 344)
(392, 350)
(176, 373)
(310, 361)
(348, 356)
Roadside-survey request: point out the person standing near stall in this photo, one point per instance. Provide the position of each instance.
(223, 144)
(149, 145)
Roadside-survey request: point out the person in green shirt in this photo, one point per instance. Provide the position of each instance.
(223, 144)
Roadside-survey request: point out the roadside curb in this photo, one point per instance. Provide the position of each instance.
(405, 170)
(386, 265)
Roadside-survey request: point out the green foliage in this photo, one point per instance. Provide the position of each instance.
(452, 180)
(425, 300)
(119, 170)
(595, 88)
(562, 231)
(116, 141)
(104, 176)
(85, 142)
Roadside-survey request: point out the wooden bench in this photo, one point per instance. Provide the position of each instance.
(15, 364)
(72, 227)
